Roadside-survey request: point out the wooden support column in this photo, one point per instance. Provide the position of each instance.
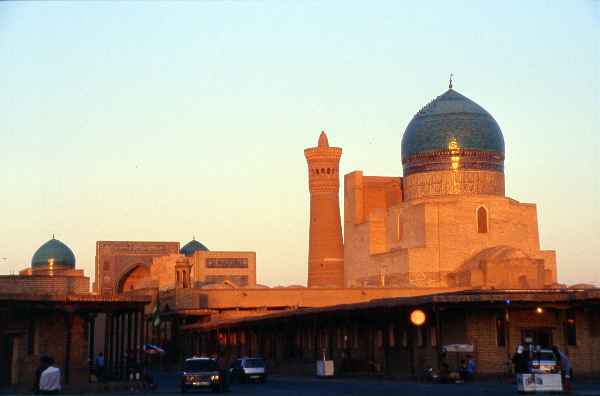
(91, 340)
(438, 336)
(107, 340)
(129, 332)
(411, 329)
(315, 340)
(120, 342)
(69, 325)
(385, 339)
(136, 335)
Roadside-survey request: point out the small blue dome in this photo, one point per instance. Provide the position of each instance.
(192, 247)
(53, 253)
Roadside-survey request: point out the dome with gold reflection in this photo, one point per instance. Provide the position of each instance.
(53, 255)
(452, 132)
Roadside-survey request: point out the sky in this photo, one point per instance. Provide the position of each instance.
(161, 121)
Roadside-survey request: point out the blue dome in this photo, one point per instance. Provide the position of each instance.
(53, 254)
(191, 247)
(453, 122)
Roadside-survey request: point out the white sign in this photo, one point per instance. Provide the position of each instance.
(539, 383)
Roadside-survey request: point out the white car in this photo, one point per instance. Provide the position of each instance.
(249, 369)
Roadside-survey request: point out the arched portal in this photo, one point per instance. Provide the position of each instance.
(132, 279)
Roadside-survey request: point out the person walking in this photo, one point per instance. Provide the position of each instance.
(223, 372)
(50, 379)
(566, 369)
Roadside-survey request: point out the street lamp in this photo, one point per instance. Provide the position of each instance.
(417, 317)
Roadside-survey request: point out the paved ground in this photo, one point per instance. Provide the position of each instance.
(294, 386)
(300, 386)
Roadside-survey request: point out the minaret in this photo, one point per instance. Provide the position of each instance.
(326, 249)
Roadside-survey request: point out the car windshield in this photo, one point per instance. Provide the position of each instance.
(200, 365)
(254, 363)
(544, 355)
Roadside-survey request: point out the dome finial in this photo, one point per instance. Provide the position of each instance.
(193, 237)
(450, 85)
(53, 236)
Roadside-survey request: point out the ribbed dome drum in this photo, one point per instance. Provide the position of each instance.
(53, 255)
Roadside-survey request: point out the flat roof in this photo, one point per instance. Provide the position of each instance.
(495, 297)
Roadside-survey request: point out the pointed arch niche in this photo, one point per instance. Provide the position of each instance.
(482, 220)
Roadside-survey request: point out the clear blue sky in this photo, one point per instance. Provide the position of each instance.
(160, 121)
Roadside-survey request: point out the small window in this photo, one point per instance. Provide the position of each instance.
(328, 171)
(379, 338)
(500, 330)
(571, 329)
(392, 336)
(404, 338)
(433, 337)
(421, 336)
(398, 228)
(482, 220)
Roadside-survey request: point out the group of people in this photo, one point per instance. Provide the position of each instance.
(47, 377)
(523, 356)
(466, 370)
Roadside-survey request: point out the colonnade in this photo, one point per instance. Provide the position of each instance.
(125, 335)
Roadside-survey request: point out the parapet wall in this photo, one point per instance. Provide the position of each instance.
(43, 284)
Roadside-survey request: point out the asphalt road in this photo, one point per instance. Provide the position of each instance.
(298, 386)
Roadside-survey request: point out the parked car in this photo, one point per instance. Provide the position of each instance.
(543, 361)
(199, 373)
(249, 369)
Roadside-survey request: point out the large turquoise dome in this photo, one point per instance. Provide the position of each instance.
(192, 247)
(452, 125)
(53, 254)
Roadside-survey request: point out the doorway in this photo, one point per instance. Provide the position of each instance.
(537, 336)
(6, 351)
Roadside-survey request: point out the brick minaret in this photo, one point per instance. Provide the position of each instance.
(326, 249)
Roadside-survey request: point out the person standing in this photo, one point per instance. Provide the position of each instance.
(520, 360)
(471, 367)
(100, 367)
(50, 379)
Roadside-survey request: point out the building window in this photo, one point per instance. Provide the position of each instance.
(31, 337)
(404, 338)
(421, 336)
(571, 329)
(500, 330)
(433, 336)
(240, 280)
(379, 338)
(398, 228)
(392, 336)
(227, 263)
(482, 220)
